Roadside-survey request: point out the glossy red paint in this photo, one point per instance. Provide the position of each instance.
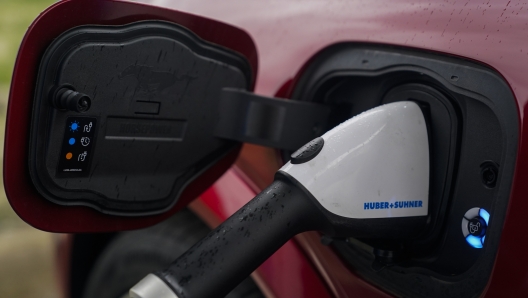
(288, 34)
(287, 273)
(24, 199)
(338, 277)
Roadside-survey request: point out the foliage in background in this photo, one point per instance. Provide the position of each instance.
(26, 254)
(15, 18)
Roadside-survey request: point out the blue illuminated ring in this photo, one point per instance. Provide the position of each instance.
(474, 241)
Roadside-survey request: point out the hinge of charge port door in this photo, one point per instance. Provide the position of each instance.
(273, 122)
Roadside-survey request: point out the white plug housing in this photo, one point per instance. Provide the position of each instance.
(374, 165)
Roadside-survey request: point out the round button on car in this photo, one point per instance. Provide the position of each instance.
(474, 226)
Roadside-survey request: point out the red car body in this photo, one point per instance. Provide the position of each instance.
(287, 35)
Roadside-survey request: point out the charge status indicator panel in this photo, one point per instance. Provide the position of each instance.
(77, 144)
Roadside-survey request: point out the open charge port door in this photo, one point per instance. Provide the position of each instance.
(147, 131)
(136, 120)
(120, 118)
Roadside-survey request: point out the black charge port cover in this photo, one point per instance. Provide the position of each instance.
(154, 88)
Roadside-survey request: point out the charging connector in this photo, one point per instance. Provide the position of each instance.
(368, 177)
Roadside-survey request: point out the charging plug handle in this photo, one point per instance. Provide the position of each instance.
(231, 252)
(368, 177)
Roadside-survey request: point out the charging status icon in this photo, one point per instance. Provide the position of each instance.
(85, 141)
(77, 145)
(82, 156)
(74, 126)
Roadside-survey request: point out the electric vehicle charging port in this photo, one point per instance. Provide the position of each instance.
(473, 127)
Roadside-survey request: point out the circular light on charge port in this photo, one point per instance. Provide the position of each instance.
(71, 141)
(476, 219)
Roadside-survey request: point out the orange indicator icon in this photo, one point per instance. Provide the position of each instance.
(69, 155)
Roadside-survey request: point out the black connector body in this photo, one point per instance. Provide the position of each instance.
(231, 252)
(220, 261)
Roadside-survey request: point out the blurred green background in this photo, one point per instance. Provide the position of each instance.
(27, 255)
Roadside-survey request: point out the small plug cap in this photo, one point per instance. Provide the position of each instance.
(66, 98)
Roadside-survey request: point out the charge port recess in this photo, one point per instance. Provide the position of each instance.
(473, 123)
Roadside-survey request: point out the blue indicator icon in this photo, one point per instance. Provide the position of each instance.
(71, 141)
(74, 126)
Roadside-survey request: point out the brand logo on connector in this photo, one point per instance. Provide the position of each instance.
(392, 205)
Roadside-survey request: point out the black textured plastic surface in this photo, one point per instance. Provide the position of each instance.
(483, 112)
(154, 89)
(308, 151)
(231, 252)
(272, 122)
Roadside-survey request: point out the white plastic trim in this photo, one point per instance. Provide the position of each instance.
(375, 165)
(151, 287)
